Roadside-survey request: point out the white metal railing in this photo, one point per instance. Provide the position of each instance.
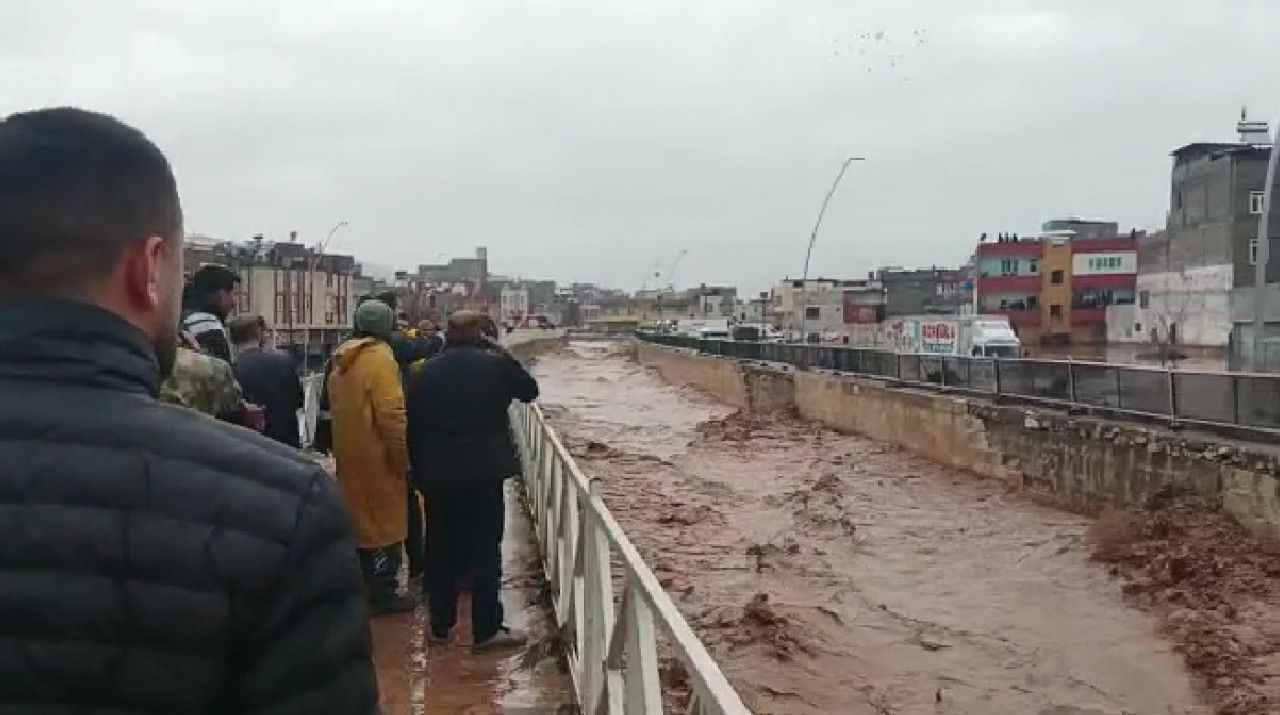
(311, 386)
(612, 644)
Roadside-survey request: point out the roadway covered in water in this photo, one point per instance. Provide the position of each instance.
(829, 573)
(415, 678)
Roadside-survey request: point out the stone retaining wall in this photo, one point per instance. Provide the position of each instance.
(1085, 464)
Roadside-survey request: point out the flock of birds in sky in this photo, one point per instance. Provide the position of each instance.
(876, 51)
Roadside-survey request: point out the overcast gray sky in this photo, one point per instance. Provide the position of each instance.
(593, 140)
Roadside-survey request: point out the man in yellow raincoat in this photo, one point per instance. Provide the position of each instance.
(366, 401)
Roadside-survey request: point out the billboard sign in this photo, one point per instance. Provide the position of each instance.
(938, 337)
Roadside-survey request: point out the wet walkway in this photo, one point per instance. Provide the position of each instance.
(828, 573)
(417, 679)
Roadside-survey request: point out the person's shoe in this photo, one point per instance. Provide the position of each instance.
(436, 639)
(504, 638)
(398, 603)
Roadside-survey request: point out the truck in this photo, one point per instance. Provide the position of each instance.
(968, 335)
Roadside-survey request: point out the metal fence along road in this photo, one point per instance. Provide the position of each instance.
(612, 634)
(1236, 398)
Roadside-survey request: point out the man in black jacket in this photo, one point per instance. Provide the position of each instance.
(268, 378)
(153, 560)
(460, 450)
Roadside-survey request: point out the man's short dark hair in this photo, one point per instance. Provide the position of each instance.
(390, 298)
(213, 278)
(75, 188)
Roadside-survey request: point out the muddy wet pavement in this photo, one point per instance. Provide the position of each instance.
(831, 574)
(415, 678)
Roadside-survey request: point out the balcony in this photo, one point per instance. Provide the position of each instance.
(1029, 283)
(1103, 281)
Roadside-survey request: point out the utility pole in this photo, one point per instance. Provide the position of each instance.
(1264, 252)
(813, 238)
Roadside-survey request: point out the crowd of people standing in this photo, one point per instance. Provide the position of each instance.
(157, 559)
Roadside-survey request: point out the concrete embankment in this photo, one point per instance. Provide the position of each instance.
(1084, 464)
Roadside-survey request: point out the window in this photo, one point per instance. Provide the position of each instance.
(1253, 251)
(1035, 266)
(1009, 266)
(1144, 299)
(811, 313)
(1032, 302)
(1255, 202)
(1055, 312)
(1056, 278)
(1137, 327)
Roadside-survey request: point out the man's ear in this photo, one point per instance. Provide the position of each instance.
(143, 265)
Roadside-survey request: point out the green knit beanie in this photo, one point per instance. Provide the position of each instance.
(375, 318)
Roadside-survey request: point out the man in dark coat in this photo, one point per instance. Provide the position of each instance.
(268, 378)
(461, 451)
(153, 560)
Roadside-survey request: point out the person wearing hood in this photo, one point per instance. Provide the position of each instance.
(366, 402)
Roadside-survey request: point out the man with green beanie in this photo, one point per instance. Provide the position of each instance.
(366, 402)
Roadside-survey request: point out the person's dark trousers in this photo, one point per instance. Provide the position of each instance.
(380, 567)
(415, 546)
(464, 535)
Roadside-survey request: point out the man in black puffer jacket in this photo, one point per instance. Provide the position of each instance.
(152, 560)
(460, 451)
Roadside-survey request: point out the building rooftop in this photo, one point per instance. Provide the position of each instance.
(1201, 148)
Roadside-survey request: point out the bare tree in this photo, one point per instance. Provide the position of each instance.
(1170, 313)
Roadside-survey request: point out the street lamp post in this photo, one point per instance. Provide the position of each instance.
(310, 304)
(813, 238)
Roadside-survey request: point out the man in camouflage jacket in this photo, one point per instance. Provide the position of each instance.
(206, 384)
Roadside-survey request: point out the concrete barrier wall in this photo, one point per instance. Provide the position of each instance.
(738, 383)
(1084, 464)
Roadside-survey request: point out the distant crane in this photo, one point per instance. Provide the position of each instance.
(670, 280)
(671, 272)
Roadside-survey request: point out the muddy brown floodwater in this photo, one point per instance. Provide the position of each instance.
(829, 573)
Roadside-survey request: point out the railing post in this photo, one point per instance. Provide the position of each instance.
(644, 695)
(898, 364)
(1173, 396)
(942, 378)
(995, 368)
(599, 603)
(1235, 398)
(1071, 381)
(1119, 393)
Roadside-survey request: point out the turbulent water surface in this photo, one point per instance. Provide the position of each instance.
(830, 573)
